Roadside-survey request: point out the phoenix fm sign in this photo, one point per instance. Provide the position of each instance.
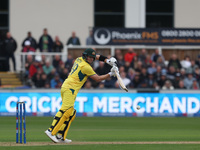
(145, 36)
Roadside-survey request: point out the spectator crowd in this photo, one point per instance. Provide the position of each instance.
(137, 70)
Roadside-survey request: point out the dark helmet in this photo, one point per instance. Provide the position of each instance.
(89, 52)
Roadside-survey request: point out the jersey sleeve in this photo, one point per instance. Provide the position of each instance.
(87, 70)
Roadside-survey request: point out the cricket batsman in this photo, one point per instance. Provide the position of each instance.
(80, 71)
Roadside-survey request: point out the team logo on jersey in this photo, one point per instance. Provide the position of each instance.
(102, 36)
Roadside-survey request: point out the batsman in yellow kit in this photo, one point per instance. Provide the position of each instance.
(80, 71)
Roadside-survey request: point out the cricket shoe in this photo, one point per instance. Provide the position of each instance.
(61, 140)
(52, 137)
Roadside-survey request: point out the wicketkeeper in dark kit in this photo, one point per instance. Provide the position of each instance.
(80, 71)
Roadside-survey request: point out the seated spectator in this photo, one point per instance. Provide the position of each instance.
(162, 80)
(44, 58)
(195, 85)
(135, 62)
(73, 40)
(181, 85)
(101, 69)
(118, 52)
(168, 85)
(47, 68)
(61, 68)
(51, 75)
(193, 66)
(143, 83)
(150, 80)
(101, 85)
(130, 55)
(29, 61)
(27, 47)
(31, 39)
(131, 73)
(174, 61)
(186, 63)
(152, 68)
(125, 80)
(142, 56)
(56, 82)
(171, 73)
(47, 85)
(57, 62)
(88, 85)
(160, 62)
(158, 73)
(35, 66)
(39, 79)
(64, 74)
(57, 45)
(120, 60)
(139, 66)
(148, 61)
(69, 62)
(197, 62)
(188, 81)
(197, 74)
(121, 69)
(127, 65)
(143, 74)
(156, 86)
(183, 73)
(176, 80)
(110, 82)
(136, 81)
(155, 56)
(45, 42)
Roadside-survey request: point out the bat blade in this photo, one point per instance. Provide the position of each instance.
(121, 83)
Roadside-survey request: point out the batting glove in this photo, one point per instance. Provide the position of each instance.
(112, 61)
(115, 69)
(112, 74)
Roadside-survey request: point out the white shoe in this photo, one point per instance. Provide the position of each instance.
(63, 141)
(52, 137)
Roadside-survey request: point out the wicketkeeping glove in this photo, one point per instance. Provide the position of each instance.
(112, 61)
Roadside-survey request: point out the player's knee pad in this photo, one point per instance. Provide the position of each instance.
(68, 112)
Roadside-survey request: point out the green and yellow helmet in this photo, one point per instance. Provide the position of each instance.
(89, 52)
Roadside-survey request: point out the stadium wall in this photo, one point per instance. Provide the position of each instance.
(59, 17)
(186, 14)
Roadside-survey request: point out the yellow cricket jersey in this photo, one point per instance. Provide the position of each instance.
(80, 71)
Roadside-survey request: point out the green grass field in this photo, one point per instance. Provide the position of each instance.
(107, 129)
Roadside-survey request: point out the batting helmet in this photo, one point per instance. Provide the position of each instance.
(89, 52)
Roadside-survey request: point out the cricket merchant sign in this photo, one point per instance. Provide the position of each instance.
(101, 104)
(149, 36)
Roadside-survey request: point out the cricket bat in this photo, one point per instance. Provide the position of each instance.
(121, 84)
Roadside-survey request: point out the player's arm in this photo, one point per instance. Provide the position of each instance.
(111, 61)
(100, 78)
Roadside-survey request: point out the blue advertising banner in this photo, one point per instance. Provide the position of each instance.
(146, 36)
(105, 103)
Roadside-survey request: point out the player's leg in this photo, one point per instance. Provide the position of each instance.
(61, 121)
(56, 119)
(62, 133)
(68, 99)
